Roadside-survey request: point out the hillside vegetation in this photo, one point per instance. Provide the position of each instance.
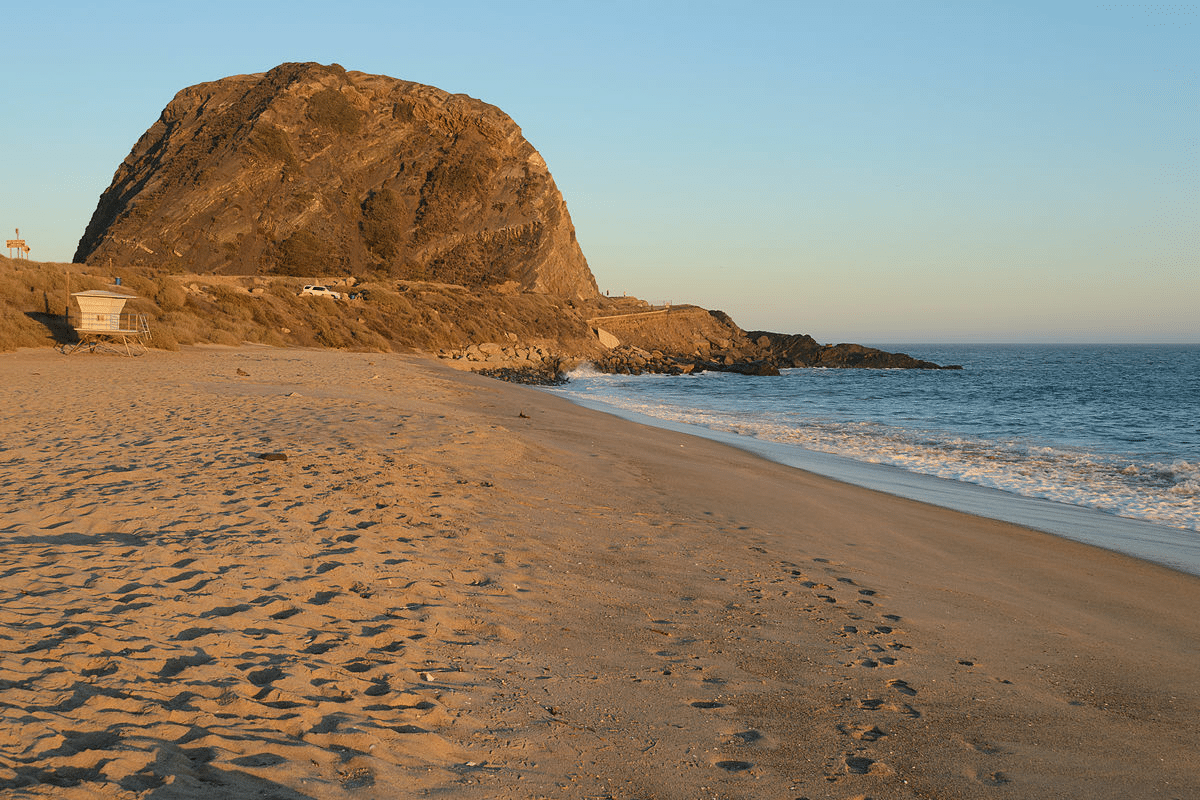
(388, 314)
(232, 310)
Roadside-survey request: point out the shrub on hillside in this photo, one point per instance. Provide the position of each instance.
(380, 225)
(170, 296)
(273, 143)
(330, 108)
(305, 253)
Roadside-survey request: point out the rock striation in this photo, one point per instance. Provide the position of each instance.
(310, 170)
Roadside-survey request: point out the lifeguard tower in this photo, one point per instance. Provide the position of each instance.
(103, 325)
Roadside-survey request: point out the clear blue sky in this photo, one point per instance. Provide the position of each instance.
(861, 171)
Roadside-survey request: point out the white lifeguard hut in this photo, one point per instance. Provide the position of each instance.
(103, 324)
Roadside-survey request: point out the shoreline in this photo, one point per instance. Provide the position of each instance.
(453, 584)
(1158, 543)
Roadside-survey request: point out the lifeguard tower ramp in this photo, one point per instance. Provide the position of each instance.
(102, 324)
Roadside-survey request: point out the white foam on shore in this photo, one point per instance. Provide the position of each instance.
(1167, 494)
(1150, 510)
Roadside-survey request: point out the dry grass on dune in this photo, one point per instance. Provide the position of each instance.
(232, 310)
(32, 297)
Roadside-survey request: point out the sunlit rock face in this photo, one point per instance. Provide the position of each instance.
(313, 170)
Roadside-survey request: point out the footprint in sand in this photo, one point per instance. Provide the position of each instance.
(871, 734)
(262, 677)
(980, 746)
(173, 666)
(191, 634)
(225, 611)
(877, 704)
(993, 779)
(746, 737)
(858, 765)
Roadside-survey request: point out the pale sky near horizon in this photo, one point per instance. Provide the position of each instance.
(879, 172)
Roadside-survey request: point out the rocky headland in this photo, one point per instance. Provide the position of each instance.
(311, 170)
(430, 212)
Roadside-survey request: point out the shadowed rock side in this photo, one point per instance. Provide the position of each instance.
(312, 170)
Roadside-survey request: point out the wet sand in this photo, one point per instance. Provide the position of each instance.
(457, 587)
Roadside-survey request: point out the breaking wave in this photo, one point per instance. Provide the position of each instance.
(1080, 453)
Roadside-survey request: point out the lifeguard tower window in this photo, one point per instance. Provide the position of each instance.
(103, 325)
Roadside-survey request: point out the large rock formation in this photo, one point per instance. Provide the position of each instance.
(311, 170)
(431, 209)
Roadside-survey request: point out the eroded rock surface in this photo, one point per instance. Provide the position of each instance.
(311, 170)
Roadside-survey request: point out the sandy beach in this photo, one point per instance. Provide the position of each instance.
(449, 586)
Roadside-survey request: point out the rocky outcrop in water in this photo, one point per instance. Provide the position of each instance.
(801, 350)
(683, 339)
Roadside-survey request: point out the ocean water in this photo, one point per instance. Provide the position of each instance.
(1095, 442)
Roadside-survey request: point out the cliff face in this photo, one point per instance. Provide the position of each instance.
(310, 170)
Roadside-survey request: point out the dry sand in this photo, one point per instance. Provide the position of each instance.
(456, 587)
